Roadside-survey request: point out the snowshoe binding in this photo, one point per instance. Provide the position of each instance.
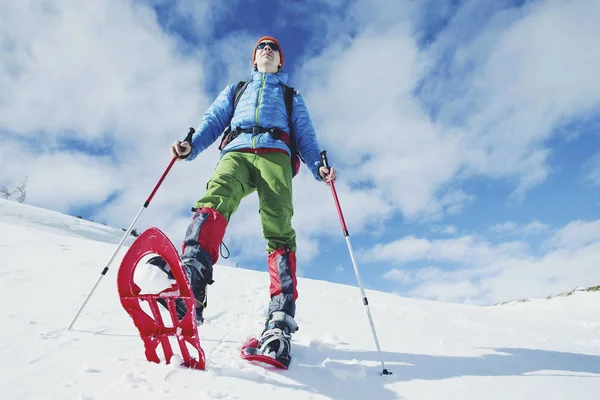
(273, 347)
(198, 288)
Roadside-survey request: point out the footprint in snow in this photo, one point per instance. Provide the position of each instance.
(345, 370)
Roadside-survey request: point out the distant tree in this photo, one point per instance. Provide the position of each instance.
(22, 191)
(19, 194)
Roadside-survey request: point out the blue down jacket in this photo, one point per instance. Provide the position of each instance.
(261, 104)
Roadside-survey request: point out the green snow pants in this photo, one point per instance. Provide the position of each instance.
(239, 174)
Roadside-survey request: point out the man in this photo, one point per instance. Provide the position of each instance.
(255, 157)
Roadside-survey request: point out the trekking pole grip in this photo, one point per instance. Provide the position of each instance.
(188, 138)
(324, 160)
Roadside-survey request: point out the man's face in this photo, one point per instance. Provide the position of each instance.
(267, 54)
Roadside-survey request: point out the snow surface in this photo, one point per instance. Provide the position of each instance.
(541, 349)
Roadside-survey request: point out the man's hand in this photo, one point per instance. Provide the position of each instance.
(327, 175)
(180, 149)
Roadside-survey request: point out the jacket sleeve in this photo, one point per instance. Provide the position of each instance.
(214, 122)
(304, 133)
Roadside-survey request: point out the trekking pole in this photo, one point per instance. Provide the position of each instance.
(362, 290)
(188, 139)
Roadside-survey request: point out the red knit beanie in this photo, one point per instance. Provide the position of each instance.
(271, 39)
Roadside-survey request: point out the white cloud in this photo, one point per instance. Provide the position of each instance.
(506, 85)
(72, 177)
(538, 74)
(512, 228)
(506, 227)
(484, 274)
(576, 234)
(466, 250)
(382, 135)
(445, 229)
(535, 228)
(396, 274)
(93, 68)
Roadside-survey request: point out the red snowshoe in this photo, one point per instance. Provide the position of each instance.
(274, 347)
(151, 326)
(250, 352)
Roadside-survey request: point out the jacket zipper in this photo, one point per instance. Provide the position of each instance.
(260, 92)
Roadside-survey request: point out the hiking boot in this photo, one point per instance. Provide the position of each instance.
(197, 283)
(160, 262)
(275, 339)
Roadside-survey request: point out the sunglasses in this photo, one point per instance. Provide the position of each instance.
(272, 45)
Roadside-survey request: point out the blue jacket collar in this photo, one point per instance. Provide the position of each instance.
(273, 79)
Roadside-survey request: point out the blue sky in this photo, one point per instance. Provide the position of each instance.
(465, 133)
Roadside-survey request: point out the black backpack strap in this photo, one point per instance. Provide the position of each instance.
(228, 134)
(239, 91)
(288, 96)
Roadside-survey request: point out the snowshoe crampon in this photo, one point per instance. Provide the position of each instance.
(251, 353)
(151, 326)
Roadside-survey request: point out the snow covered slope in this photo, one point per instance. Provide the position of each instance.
(541, 349)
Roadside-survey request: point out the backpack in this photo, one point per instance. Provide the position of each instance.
(288, 97)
